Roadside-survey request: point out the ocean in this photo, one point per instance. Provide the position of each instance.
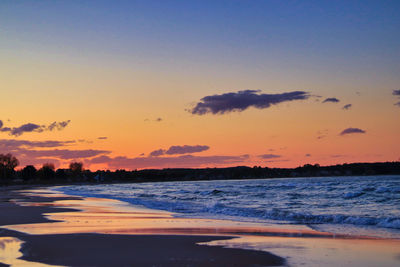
(365, 205)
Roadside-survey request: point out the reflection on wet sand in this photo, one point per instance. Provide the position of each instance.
(107, 216)
(10, 253)
(299, 244)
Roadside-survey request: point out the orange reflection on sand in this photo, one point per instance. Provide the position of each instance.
(96, 215)
(322, 251)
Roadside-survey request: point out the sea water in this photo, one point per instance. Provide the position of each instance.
(365, 205)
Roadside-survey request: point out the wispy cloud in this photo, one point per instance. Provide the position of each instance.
(331, 99)
(62, 153)
(352, 131)
(176, 150)
(183, 161)
(13, 144)
(32, 127)
(397, 93)
(346, 107)
(34, 152)
(156, 153)
(269, 156)
(242, 100)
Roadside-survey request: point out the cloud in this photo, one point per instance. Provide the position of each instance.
(1, 124)
(158, 119)
(321, 137)
(241, 100)
(331, 99)
(61, 153)
(269, 156)
(183, 161)
(186, 149)
(39, 152)
(308, 155)
(174, 150)
(156, 153)
(397, 93)
(102, 137)
(13, 144)
(352, 131)
(32, 127)
(58, 125)
(346, 107)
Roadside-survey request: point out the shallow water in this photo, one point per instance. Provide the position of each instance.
(344, 205)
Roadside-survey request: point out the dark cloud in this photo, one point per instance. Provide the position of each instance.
(346, 107)
(397, 93)
(32, 127)
(159, 119)
(1, 123)
(321, 137)
(184, 161)
(13, 144)
(277, 160)
(58, 125)
(331, 99)
(241, 100)
(102, 137)
(156, 153)
(308, 155)
(352, 131)
(269, 156)
(61, 153)
(173, 150)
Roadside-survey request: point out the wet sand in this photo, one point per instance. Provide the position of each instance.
(93, 249)
(72, 231)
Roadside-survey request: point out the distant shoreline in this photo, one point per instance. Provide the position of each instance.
(203, 174)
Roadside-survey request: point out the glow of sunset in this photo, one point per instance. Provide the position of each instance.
(204, 83)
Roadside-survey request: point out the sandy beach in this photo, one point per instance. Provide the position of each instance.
(42, 226)
(91, 249)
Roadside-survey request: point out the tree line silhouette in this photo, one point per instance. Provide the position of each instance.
(76, 173)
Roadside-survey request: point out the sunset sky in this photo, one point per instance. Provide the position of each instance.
(156, 84)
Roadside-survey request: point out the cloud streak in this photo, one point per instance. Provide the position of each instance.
(32, 127)
(397, 93)
(331, 99)
(269, 156)
(242, 100)
(347, 107)
(178, 150)
(62, 153)
(352, 131)
(183, 161)
(13, 144)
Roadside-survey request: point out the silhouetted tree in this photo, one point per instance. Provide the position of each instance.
(7, 165)
(47, 171)
(76, 167)
(29, 172)
(60, 174)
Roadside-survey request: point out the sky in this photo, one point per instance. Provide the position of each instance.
(165, 84)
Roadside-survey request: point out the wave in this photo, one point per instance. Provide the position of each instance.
(214, 209)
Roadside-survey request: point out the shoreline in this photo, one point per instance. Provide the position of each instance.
(94, 249)
(84, 228)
